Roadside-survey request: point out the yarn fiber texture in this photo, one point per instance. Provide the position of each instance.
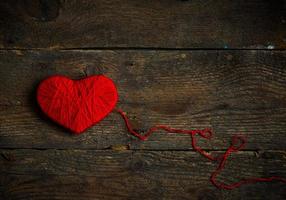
(77, 104)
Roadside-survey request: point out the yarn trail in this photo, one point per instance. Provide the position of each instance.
(238, 142)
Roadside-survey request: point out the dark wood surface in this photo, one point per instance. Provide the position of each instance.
(249, 24)
(95, 174)
(187, 64)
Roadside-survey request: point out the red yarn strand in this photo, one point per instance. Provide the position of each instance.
(237, 139)
(238, 142)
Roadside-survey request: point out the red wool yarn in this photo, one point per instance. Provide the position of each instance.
(238, 142)
(79, 104)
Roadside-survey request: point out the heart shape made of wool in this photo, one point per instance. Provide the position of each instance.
(77, 104)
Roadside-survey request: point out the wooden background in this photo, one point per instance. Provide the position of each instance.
(187, 64)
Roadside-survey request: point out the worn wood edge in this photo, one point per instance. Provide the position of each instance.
(83, 49)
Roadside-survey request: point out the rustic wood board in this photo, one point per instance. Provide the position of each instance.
(250, 24)
(186, 64)
(231, 92)
(93, 174)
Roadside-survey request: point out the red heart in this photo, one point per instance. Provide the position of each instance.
(77, 104)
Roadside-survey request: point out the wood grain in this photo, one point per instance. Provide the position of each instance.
(229, 91)
(90, 174)
(22, 128)
(247, 24)
(186, 64)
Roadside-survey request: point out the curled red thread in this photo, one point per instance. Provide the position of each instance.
(238, 142)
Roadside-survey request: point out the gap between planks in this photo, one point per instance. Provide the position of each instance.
(142, 49)
(111, 149)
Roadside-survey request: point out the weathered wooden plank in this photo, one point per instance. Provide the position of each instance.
(35, 187)
(229, 91)
(161, 79)
(89, 174)
(163, 24)
(22, 128)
